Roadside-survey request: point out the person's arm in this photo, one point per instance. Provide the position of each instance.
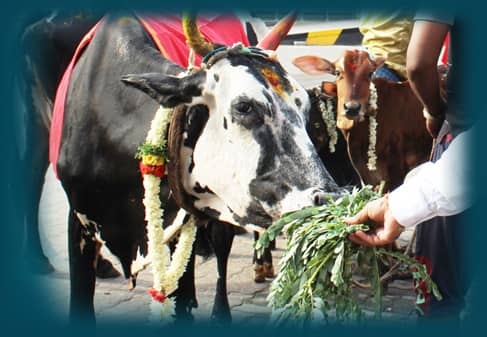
(442, 188)
(422, 67)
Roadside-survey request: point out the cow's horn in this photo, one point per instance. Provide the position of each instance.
(274, 37)
(194, 38)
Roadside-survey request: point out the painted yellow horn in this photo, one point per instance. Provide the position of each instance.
(194, 38)
(274, 37)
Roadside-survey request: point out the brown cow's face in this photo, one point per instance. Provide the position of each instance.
(353, 73)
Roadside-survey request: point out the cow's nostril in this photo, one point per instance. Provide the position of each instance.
(352, 109)
(319, 198)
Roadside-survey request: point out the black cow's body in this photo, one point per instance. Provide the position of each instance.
(48, 45)
(104, 123)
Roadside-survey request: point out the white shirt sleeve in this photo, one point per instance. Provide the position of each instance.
(435, 189)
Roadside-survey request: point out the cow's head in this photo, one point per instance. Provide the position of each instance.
(353, 73)
(244, 155)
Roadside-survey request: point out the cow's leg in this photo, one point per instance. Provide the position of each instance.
(263, 266)
(83, 249)
(221, 236)
(268, 266)
(105, 268)
(185, 295)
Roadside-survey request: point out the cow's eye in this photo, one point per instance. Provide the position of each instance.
(337, 73)
(243, 107)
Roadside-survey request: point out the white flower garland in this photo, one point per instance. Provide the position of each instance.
(372, 161)
(166, 273)
(328, 116)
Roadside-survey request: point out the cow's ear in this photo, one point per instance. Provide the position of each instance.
(169, 91)
(379, 61)
(329, 88)
(314, 65)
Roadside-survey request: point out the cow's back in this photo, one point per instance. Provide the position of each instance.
(104, 120)
(104, 123)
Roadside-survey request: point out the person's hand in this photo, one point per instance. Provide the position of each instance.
(386, 228)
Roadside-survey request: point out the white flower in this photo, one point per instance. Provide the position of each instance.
(372, 162)
(328, 116)
(162, 312)
(166, 273)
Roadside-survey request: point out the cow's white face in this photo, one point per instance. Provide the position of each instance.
(247, 158)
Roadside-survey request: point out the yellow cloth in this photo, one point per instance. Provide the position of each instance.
(388, 35)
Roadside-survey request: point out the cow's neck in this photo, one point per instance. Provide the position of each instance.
(174, 166)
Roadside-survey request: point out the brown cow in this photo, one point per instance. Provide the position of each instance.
(402, 141)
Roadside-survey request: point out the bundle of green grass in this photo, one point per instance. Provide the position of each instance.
(314, 282)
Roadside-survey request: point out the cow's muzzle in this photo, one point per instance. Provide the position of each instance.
(352, 109)
(319, 197)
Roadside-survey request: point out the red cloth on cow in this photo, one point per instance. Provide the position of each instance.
(167, 33)
(58, 109)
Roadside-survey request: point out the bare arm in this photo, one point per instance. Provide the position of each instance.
(422, 59)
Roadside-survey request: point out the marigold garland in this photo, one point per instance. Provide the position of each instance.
(166, 273)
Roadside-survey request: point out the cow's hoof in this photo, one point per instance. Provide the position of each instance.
(105, 269)
(40, 265)
(269, 270)
(259, 274)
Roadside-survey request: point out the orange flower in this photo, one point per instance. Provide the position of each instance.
(157, 295)
(153, 160)
(156, 170)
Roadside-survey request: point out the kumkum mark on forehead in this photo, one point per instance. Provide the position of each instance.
(274, 80)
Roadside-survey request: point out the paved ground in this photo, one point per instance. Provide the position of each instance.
(113, 301)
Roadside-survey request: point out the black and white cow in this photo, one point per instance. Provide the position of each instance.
(244, 155)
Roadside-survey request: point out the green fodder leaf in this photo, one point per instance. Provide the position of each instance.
(337, 270)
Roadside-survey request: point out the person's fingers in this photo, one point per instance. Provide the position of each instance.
(392, 230)
(354, 238)
(362, 238)
(359, 218)
(378, 238)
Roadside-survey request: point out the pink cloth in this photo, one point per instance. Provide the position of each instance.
(167, 34)
(60, 99)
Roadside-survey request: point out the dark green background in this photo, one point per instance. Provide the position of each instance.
(22, 310)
